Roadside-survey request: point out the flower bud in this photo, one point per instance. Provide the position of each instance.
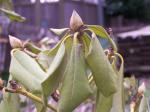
(14, 85)
(1, 82)
(141, 88)
(15, 42)
(75, 21)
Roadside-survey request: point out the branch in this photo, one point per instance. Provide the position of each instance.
(135, 102)
(23, 91)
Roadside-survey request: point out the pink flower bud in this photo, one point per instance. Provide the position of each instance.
(142, 88)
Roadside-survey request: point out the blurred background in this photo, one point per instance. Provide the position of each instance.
(129, 20)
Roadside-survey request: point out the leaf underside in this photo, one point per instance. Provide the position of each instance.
(75, 87)
(103, 73)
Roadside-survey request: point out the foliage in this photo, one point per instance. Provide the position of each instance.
(75, 69)
(6, 7)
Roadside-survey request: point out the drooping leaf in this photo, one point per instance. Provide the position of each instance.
(43, 61)
(104, 75)
(26, 70)
(50, 83)
(10, 102)
(59, 32)
(75, 87)
(101, 32)
(55, 48)
(56, 70)
(118, 98)
(53, 51)
(86, 42)
(13, 15)
(103, 104)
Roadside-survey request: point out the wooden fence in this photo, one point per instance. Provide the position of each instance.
(136, 52)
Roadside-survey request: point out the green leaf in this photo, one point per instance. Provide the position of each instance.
(26, 70)
(98, 30)
(55, 73)
(56, 68)
(13, 15)
(53, 51)
(101, 32)
(43, 61)
(103, 104)
(118, 98)
(45, 58)
(86, 42)
(144, 105)
(103, 73)
(75, 88)
(10, 102)
(59, 32)
(51, 82)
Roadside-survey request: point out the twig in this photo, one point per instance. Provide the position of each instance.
(135, 102)
(132, 107)
(28, 94)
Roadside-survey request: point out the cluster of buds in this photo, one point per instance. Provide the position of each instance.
(17, 43)
(14, 85)
(138, 96)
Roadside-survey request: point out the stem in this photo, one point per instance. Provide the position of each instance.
(132, 110)
(90, 80)
(113, 63)
(120, 56)
(29, 95)
(33, 97)
(132, 107)
(135, 102)
(113, 44)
